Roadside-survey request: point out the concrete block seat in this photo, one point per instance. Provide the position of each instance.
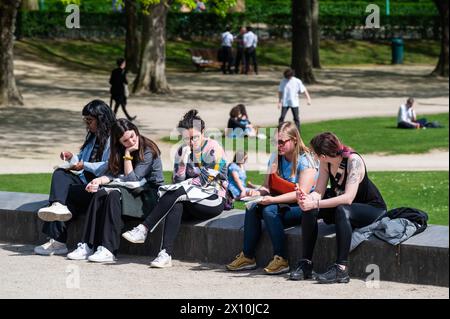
(423, 259)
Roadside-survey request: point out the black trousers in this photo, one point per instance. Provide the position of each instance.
(173, 210)
(104, 222)
(120, 101)
(284, 111)
(346, 217)
(227, 59)
(67, 189)
(250, 54)
(240, 58)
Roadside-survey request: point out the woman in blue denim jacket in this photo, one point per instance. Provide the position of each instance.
(67, 192)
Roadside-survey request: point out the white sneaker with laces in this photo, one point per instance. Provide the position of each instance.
(55, 212)
(137, 235)
(163, 260)
(81, 253)
(52, 247)
(102, 255)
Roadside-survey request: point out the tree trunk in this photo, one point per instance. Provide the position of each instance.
(315, 34)
(30, 5)
(152, 63)
(9, 94)
(302, 40)
(442, 66)
(132, 36)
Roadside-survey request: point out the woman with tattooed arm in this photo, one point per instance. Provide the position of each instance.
(352, 202)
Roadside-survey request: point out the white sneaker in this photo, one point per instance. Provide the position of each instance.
(52, 247)
(163, 260)
(102, 255)
(81, 253)
(137, 235)
(262, 136)
(55, 212)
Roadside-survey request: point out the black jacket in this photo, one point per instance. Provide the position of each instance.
(117, 80)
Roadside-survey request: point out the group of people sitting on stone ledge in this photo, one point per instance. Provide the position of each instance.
(117, 177)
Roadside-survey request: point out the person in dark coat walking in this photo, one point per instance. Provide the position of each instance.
(118, 81)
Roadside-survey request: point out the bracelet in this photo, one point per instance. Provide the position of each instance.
(128, 158)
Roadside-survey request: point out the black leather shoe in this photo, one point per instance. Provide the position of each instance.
(131, 119)
(303, 271)
(333, 275)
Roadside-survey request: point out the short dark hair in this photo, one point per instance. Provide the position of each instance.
(119, 61)
(410, 101)
(288, 73)
(249, 28)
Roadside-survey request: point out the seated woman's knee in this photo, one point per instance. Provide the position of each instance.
(342, 213)
(270, 211)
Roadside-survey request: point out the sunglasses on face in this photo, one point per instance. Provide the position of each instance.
(281, 143)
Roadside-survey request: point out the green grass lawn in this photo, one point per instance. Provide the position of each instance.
(381, 132)
(424, 190)
(101, 55)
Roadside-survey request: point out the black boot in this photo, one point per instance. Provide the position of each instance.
(303, 271)
(333, 275)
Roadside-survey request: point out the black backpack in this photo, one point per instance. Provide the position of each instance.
(416, 216)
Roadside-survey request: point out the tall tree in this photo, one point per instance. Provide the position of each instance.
(30, 5)
(315, 34)
(151, 75)
(9, 94)
(132, 35)
(442, 66)
(302, 40)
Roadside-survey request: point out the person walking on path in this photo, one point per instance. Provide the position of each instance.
(119, 88)
(288, 96)
(227, 53)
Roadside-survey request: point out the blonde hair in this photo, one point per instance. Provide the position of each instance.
(290, 129)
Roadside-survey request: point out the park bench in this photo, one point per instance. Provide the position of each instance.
(205, 58)
(422, 259)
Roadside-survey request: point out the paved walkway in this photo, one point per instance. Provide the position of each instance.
(24, 275)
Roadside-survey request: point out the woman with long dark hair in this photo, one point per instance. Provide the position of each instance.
(352, 202)
(67, 193)
(133, 158)
(199, 189)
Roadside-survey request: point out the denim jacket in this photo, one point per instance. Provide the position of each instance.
(96, 168)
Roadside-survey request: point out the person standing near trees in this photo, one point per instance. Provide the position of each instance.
(240, 57)
(227, 53)
(250, 44)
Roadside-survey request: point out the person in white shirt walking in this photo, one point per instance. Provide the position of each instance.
(288, 96)
(227, 53)
(250, 44)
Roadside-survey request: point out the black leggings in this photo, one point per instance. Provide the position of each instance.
(346, 217)
(120, 102)
(172, 205)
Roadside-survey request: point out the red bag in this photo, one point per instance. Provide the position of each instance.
(279, 186)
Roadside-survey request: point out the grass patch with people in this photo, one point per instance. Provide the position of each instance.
(424, 190)
(366, 135)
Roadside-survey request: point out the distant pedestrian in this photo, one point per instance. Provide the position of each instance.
(250, 44)
(240, 56)
(119, 88)
(288, 93)
(227, 53)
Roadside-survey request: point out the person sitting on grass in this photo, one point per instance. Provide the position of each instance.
(237, 177)
(68, 197)
(133, 158)
(199, 189)
(352, 202)
(292, 164)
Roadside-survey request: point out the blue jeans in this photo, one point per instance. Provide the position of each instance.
(275, 221)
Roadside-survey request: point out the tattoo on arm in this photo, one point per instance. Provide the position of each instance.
(356, 171)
